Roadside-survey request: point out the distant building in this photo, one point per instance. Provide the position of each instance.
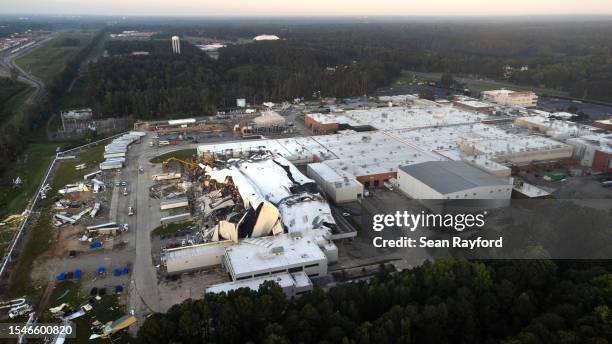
(511, 98)
(266, 38)
(176, 44)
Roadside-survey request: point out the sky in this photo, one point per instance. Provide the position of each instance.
(306, 7)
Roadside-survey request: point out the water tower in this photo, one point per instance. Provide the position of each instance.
(176, 44)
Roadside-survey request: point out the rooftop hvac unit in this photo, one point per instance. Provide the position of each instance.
(278, 250)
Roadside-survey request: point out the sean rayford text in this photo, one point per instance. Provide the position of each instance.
(412, 222)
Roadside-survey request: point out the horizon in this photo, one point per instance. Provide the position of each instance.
(314, 8)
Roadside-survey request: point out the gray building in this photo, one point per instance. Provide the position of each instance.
(445, 184)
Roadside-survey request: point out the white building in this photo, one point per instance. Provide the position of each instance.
(285, 253)
(266, 38)
(340, 189)
(555, 128)
(293, 285)
(511, 98)
(176, 44)
(453, 180)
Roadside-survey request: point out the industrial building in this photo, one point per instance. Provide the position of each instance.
(393, 118)
(555, 128)
(272, 255)
(453, 180)
(257, 227)
(422, 134)
(195, 257)
(593, 151)
(338, 188)
(293, 285)
(511, 98)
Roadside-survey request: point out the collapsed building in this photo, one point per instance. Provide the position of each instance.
(261, 216)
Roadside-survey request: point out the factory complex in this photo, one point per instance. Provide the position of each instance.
(280, 223)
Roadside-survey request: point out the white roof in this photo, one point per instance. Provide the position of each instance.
(391, 118)
(284, 280)
(181, 121)
(266, 38)
(252, 256)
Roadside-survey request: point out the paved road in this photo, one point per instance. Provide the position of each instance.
(7, 62)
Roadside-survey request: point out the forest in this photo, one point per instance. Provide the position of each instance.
(344, 59)
(449, 301)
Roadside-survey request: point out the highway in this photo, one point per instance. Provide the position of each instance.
(7, 62)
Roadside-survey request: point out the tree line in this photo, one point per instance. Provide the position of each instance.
(449, 301)
(341, 60)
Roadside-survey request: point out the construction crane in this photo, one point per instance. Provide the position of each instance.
(187, 163)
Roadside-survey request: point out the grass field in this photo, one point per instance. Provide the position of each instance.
(475, 85)
(184, 154)
(50, 58)
(12, 96)
(42, 234)
(30, 168)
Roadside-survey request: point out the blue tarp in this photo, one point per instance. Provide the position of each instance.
(61, 276)
(101, 270)
(95, 244)
(117, 272)
(126, 270)
(77, 273)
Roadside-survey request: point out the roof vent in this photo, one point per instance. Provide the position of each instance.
(278, 250)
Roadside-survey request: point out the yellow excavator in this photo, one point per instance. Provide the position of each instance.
(187, 163)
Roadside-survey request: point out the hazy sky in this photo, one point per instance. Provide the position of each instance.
(306, 7)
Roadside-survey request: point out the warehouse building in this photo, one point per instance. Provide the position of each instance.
(453, 180)
(340, 189)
